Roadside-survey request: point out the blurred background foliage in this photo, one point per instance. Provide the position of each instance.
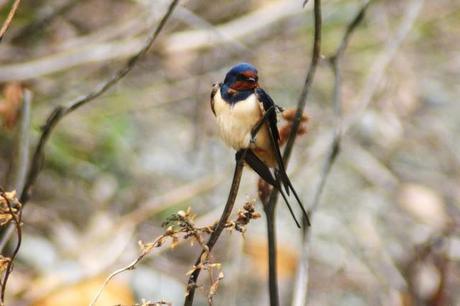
(387, 230)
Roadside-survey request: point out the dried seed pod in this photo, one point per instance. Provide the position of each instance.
(285, 130)
(263, 189)
(289, 115)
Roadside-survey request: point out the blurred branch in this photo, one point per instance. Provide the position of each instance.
(181, 227)
(21, 158)
(214, 32)
(42, 21)
(9, 19)
(191, 285)
(342, 127)
(301, 283)
(308, 81)
(132, 26)
(89, 52)
(61, 111)
(16, 215)
(70, 58)
(378, 69)
(335, 62)
(269, 207)
(177, 195)
(242, 27)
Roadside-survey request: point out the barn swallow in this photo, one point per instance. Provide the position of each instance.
(247, 120)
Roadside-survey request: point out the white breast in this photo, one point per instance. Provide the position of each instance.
(236, 121)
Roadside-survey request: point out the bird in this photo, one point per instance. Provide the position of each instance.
(246, 117)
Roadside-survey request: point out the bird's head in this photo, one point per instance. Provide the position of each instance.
(242, 77)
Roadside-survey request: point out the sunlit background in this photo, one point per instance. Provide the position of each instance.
(386, 231)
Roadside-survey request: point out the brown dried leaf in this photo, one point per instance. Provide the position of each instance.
(285, 130)
(214, 287)
(4, 263)
(5, 213)
(9, 108)
(263, 190)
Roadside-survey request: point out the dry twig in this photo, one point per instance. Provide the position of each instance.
(182, 222)
(10, 210)
(20, 160)
(191, 285)
(9, 19)
(181, 227)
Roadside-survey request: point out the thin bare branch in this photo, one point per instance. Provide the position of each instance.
(131, 266)
(182, 223)
(22, 154)
(94, 52)
(335, 62)
(21, 157)
(378, 69)
(42, 21)
(9, 19)
(234, 30)
(308, 81)
(300, 288)
(301, 284)
(191, 285)
(269, 207)
(61, 111)
(16, 218)
(179, 194)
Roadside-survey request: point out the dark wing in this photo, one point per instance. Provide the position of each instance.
(215, 88)
(269, 104)
(280, 173)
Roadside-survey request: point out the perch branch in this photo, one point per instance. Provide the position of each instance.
(191, 285)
